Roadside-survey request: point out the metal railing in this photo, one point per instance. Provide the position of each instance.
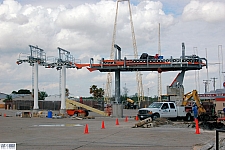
(217, 138)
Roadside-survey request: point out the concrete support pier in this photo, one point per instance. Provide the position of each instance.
(36, 107)
(117, 110)
(63, 91)
(117, 106)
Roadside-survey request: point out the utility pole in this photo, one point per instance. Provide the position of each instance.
(206, 83)
(214, 83)
(223, 80)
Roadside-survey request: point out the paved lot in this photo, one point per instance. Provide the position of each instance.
(67, 134)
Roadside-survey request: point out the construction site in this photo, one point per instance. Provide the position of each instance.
(168, 123)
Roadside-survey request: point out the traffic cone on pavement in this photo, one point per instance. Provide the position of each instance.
(196, 127)
(126, 119)
(136, 118)
(4, 115)
(117, 121)
(86, 129)
(103, 125)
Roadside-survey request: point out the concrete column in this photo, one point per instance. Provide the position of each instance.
(117, 87)
(35, 108)
(63, 89)
(117, 106)
(117, 110)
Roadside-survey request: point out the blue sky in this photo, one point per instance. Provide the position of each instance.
(85, 29)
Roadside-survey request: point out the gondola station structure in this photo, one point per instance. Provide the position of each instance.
(37, 57)
(145, 63)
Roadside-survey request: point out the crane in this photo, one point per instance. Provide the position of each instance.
(138, 73)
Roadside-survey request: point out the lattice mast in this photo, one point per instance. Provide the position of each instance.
(138, 74)
(108, 87)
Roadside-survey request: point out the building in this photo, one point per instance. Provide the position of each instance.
(2, 98)
(217, 97)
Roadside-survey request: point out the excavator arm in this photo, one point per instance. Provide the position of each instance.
(130, 100)
(194, 94)
(201, 109)
(186, 98)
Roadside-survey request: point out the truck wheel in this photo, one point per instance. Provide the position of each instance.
(155, 116)
(188, 117)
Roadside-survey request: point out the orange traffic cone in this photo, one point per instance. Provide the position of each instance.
(117, 121)
(196, 127)
(103, 125)
(136, 118)
(86, 129)
(4, 115)
(126, 119)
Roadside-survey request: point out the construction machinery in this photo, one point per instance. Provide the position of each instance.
(76, 108)
(130, 104)
(202, 113)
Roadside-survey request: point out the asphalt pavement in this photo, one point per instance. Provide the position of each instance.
(68, 134)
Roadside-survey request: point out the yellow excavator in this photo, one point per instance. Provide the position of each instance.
(202, 114)
(194, 94)
(130, 104)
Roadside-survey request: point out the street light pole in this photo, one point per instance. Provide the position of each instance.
(214, 83)
(206, 83)
(148, 94)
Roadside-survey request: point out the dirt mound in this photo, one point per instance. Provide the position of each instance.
(148, 123)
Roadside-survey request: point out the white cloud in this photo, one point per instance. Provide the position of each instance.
(85, 28)
(208, 11)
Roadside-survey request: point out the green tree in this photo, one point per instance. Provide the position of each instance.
(42, 95)
(96, 92)
(23, 91)
(8, 98)
(14, 92)
(135, 97)
(67, 92)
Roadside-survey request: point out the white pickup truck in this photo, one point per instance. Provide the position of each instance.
(166, 110)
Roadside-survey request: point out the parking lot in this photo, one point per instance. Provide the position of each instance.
(69, 134)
